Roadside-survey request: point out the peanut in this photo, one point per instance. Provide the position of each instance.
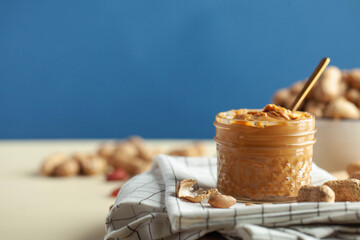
(297, 87)
(284, 98)
(328, 86)
(51, 162)
(345, 190)
(315, 194)
(353, 78)
(132, 165)
(341, 108)
(315, 108)
(353, 167)
(124, 151)
(194, 150)
(67, 169)
(281, 97)
(343, 87)
(353, 95)
(355, 175)
(143, 151)
(221, 201)
(79, 156)
(93, 165)
(106, 150)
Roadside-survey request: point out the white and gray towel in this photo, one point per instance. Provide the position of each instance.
(147, 208)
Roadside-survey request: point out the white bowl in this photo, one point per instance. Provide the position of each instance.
(338, 143)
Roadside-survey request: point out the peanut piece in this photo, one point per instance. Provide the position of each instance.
(353, 167)
(221, 201)
(315, 194)
(328, 86)
(341, 108)
(51, 162)
(188, 189)
(67, 169)
(345, 190)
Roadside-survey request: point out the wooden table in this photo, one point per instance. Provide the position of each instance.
(36, 207)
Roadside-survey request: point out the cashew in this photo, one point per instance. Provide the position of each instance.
(315, 194)
(345, 190)
(341, 108)
(221, 201)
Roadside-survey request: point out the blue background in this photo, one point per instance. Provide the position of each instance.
(160, 69)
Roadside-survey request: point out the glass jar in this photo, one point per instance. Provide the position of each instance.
(263, 161)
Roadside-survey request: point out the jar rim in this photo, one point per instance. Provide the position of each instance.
(221, 118)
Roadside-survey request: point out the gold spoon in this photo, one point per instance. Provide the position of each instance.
(310, 83)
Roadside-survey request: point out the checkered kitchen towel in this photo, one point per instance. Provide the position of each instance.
(147, 208)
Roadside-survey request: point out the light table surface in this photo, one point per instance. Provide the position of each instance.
(37, 207)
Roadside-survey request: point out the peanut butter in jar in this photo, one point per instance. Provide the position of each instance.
(264, 155)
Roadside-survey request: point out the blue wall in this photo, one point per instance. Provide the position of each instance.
(160, 69)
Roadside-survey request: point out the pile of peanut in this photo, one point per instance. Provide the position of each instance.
(117, 159)
(335, 95)
(334, 190)
(61, 165)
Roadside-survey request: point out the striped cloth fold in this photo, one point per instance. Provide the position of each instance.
(147, 208)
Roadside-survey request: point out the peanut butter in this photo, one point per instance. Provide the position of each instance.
(264, 155)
